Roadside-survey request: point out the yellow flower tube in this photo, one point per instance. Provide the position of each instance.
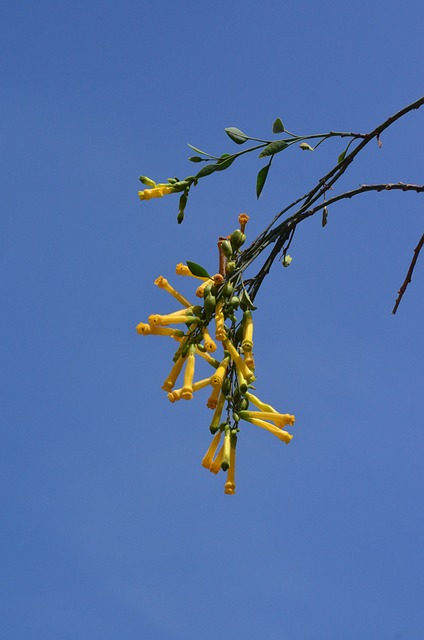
(187, 390)
(212, 361)
(276, 431)
(279, 419)
(201, 288)
(175, 395)
(225, 462)
(218, 377)
(156, 192)
(216, 464)
(210, 345)
(259, 404)
(208, 457)
(248, 359)
(230, 485)
(247, 344)
(216, 418)
(157, 319)
(173, 374)
(238, 361)
(220, 333)
(213, 398)
(163, 283)
(147, 329)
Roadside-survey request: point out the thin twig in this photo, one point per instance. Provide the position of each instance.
(409, 274)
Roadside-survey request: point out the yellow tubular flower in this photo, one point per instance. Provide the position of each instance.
(208, 457)
(208, 358)
(216, 419)
(220, 333)
(247, 344)
(248, 359)
(207, 340)
(147, 329)
(218, 377)
(225, 462)
(216, 464)
(238, 361)
(163, 283)
(173, 374)
(285, 436)
(279, 419)
(213, 398)
(156, 319)
(187, 390)
(258, 403)
(175, 395)
(156, 192)
(183, 270)
(201, 288)
(241, 383)
(243, 218)
(230, 485)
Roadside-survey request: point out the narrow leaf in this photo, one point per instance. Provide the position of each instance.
(245, 302)
(218, 166)
(261, 178)
(197, 270)
(206, 171)
(204, 153)
(225, 163)
(236, 135)
(278, 126)
(341, 157)
(273, 147)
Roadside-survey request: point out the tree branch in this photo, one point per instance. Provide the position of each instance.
(409, 274)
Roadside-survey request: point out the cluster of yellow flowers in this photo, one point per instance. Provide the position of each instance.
(233, 375)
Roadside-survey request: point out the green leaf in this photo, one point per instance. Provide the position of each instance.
(341, 157)
(204, 153)
(197, 270)
(218, 166)
(261, 178)
(245, 302)
(195, 159)
(236, 135)
(225, 163)
(206, 171)
(278, 126)
(273, 147)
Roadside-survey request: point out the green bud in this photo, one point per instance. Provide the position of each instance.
(227, 289)
(180, 186)
(305, 146)
(147, 181)
(243, 404)
(237, 239)
(226, 387)
(209, 305)
(230, 266)
(227, 249)
(286, 261)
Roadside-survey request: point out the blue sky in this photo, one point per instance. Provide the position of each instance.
(111, 528)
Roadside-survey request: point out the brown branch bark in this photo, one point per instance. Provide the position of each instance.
(408, 278)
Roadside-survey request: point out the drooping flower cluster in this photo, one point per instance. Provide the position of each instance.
(231, 381)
